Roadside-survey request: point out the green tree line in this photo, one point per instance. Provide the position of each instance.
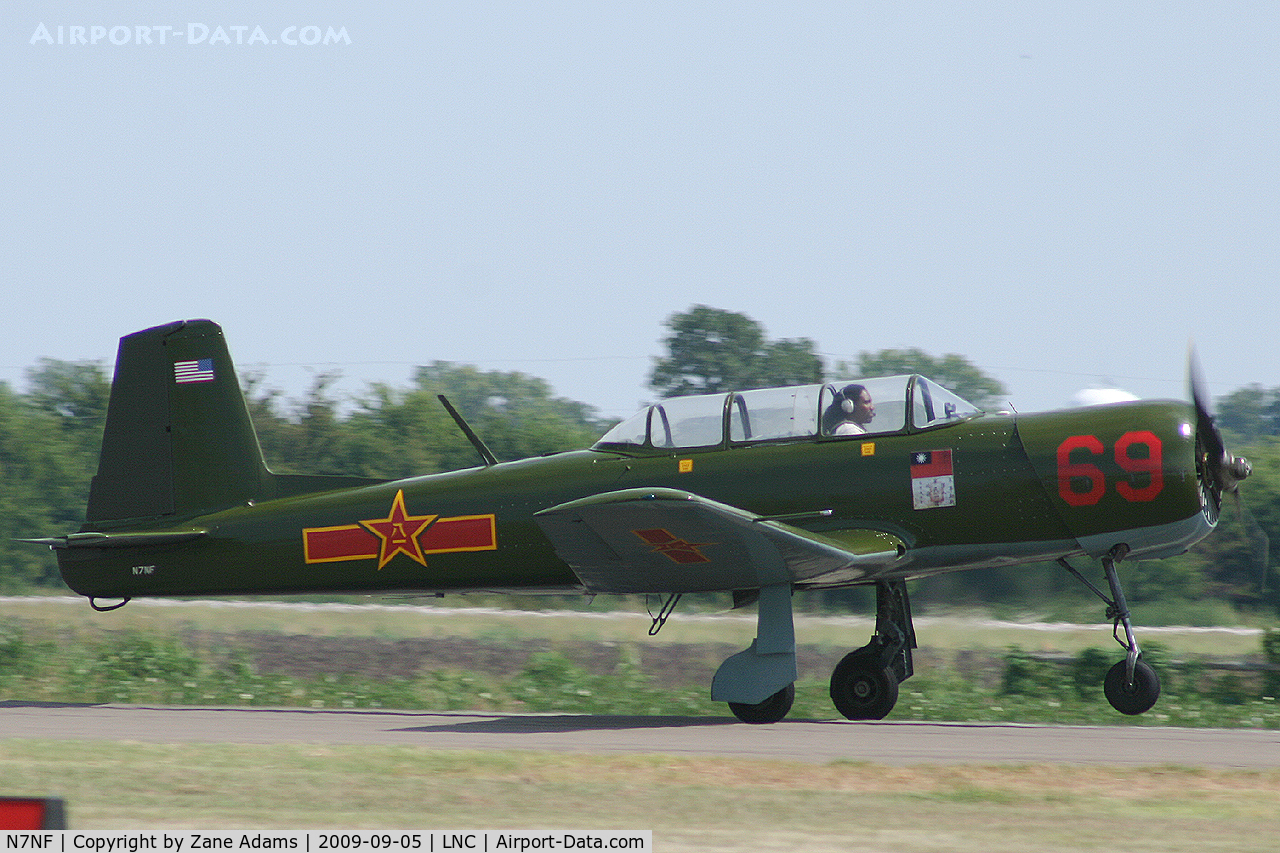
(49, 439)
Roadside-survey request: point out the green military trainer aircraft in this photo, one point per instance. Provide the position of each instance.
(757, 493)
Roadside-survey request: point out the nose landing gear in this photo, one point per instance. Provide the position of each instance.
(1131, 686)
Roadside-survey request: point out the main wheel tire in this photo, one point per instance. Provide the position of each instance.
(1137, 698)
(770, 710)
(862, 689)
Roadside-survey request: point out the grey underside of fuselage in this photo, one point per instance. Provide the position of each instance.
(1157, 542)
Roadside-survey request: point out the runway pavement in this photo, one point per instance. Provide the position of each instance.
(890, 743)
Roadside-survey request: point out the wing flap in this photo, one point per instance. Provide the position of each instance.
(666, 540)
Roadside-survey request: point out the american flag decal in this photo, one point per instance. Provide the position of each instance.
(200, 370)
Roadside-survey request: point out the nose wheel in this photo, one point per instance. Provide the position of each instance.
(1132, 694)
(1131, 686)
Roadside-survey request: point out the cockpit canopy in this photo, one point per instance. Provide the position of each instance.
(791, 413)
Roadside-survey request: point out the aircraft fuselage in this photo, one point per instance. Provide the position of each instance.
(1012, 490)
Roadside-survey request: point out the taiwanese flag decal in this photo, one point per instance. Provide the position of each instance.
(933, 482)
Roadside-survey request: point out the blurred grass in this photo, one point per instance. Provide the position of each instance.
(58, 650)
(50, 651)
(689, 803)
(463, 617)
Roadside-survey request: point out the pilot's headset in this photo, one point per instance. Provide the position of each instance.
(847, 394)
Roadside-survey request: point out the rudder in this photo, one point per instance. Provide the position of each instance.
(178, 437)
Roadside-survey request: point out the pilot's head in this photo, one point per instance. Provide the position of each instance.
(856, 404)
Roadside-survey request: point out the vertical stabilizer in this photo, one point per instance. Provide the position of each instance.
(178, 437)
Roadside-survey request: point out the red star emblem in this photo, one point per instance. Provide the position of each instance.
(398, 532)
(675, 549)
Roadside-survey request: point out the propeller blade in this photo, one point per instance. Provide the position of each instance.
(1210, 437)
(1223, 470)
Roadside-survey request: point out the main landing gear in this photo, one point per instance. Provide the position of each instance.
(864, 685)
(759, 683)
(1131, 686)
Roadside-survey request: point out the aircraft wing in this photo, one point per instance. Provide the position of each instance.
(666, 540)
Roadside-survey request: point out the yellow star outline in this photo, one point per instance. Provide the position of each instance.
(398, 532)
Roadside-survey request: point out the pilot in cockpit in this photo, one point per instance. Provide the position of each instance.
(851, 411)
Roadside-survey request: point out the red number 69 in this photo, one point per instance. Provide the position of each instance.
(1129, 455)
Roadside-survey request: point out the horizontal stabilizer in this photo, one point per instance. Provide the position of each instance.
(666, 540)
(118, 540)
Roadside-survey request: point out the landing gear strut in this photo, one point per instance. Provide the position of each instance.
(1131, 686)
(759, 683)
(864, 685)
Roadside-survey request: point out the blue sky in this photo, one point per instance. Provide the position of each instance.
(1066, 194)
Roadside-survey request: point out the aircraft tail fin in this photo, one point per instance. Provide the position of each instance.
(178, 437)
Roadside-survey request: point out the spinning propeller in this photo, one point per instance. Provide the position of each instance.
(1220, 471)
